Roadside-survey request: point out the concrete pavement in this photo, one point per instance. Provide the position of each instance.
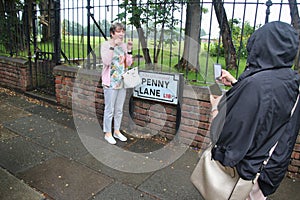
(43, 157)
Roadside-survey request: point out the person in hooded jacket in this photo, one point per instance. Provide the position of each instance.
(255, 114)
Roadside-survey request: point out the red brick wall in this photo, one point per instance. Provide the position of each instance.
(294, 167)
(156, 118)
(14, 73)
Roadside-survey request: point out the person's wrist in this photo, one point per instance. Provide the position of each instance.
(112, 45)
(214, 112)
(213, 108)
(233, 82)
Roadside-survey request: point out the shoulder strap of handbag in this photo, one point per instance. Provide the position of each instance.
(125, 62)
(273, 148)
(293, 109)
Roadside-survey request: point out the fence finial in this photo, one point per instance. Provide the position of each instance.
(268, 4)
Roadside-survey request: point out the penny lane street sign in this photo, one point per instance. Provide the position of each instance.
(158, 86)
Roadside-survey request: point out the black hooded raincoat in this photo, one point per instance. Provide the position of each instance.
(257, 109)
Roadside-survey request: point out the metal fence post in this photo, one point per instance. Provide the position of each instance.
(27, 35)
(34, 33)
(57, 37)
(268, 4)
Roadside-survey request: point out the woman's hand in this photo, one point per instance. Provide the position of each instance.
(214, 100)
(227, 79)
(129, 45)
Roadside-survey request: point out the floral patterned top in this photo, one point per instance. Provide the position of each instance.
(113, 65)
(117, 68)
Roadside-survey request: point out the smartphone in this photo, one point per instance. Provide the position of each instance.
(217, 71)
(215, 90)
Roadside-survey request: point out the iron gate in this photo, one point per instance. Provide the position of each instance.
(46, 42)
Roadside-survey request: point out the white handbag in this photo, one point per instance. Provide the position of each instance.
(132, 78)
(217, 182)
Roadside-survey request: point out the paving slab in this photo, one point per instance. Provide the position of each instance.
(54, 114)
(132, 179)
(64, 141)
(187, 161)
(171, 184)
(144, 145)
(10, 112)
(19, 100)
(288, 189)
(12, 188)
(119, 191)
(6, 134)
(19, 153)
(63, 179)
(48, 133)
(32, 126)
(3, 95)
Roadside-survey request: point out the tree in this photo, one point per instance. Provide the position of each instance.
(137, 21)
(71, 28)
(28, 6)
(12, 35)
(240, 35)
(47, 19)
(3, 22)
(229, 49)
(190, 57)
(158, 12)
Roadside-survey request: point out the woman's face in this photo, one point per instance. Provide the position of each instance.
(118, 34)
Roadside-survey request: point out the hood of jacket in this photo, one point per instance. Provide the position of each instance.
(274, 45)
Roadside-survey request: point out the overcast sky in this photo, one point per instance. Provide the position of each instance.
(251, 9)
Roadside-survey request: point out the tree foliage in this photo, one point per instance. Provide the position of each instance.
(240, 35)
(11, 26)
(159, 13)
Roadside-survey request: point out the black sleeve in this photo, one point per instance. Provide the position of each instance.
(275, 170)
(244, 112)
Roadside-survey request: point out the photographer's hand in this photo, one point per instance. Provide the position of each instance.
(214, 100)
(227, 79)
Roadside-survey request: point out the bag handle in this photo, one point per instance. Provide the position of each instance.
(293, 109)
(125, 63)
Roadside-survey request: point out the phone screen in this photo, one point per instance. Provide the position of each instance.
(215, 90)
(217, 71)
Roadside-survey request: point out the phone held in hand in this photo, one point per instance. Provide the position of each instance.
(215, 90)
(217, 71)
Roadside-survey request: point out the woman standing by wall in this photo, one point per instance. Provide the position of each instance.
(116, 57)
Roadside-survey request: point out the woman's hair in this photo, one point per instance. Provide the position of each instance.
(116, 26)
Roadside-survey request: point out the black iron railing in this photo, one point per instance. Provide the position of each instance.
(72, 31)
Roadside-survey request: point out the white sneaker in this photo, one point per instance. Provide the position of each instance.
(110, 139)
(121, 137)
